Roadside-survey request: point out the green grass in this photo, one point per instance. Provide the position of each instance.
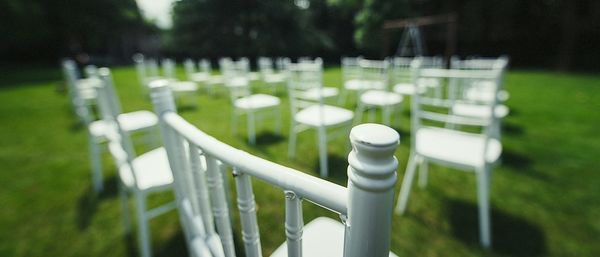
(544, 194)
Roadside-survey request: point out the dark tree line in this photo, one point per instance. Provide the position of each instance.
(37, 30)
(559, 34)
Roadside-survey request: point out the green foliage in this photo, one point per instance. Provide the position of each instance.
(243, 28)
(47, 29)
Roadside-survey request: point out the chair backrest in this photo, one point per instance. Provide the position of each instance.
(351, 68)
(189, 67)
(435, 110)
(265, 66)
(82, 110)
(304, 78)
(374, 72)
(365, 205)
(168, 67)
(120, 144)
(402, 70)
(140, 67)
(204, 65)
(479, 63)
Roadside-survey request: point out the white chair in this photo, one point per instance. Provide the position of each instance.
(81, 90)
(179, 87)
(389, 102)
(147, 70)
(193, 74)
(310, 112)
(254, 106)
(200, 189)
(132, 122)
(352, 82)
(140, 175)
(270, 78)
(487, 91)
(403, 72)
(474, 149)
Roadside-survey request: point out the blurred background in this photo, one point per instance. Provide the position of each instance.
(552, 34)
(545, 194)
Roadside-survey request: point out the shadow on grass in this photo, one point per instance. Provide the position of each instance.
(186, 107)
(512, 129)
(176, 246)
(337, 169)
(89, 200)
(267, 138)
(511, 235)
(515, 160)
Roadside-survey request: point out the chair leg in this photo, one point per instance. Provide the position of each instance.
(322, 141)
(143, 230)
(251, 128)
(386, 113)
(233, 122)
(423, 173)
(372, 114)
(125, 208)
(278, 120)
(342, 97)
(292, 143)
(96, 161)
(485, 236)
(407, 184)
(360, 108)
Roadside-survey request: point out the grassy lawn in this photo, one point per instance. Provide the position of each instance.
(545, 194)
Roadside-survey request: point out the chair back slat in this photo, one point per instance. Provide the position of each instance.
(294, 223)
(219, 205)
(247, 209)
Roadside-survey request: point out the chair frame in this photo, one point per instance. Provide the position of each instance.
(483, 172)
(366, 203)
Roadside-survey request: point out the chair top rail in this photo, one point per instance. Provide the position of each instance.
(318, 191)
(454, 73)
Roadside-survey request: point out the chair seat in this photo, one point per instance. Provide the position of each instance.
(479, 111)
(359, 85)
(322, 237)
(257, 101)
(380, 98)
(238, 82)
(456, 147)
(325, 115)
(318, 93)
(274, 78)
(184, 86)
(199, 76)
(86, 88)
(152, 171)
(253, 76)
(215, 79)
(405, 88)
(130, 122)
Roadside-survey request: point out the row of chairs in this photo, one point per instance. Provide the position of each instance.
(192, 164)
(438, 136)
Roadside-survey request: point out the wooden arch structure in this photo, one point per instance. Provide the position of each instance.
(450, 20)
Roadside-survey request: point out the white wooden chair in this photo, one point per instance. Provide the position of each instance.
(132, 122)
(254, 106)
(200, 76)
(389, 102)
(269, 77)
(139, 175)
(404, 70)
(146, 69)
(474, 149)
(487, 91)
(352, 82)
(365, 206)
(180, 87)
(81, 90)
(309, 110)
